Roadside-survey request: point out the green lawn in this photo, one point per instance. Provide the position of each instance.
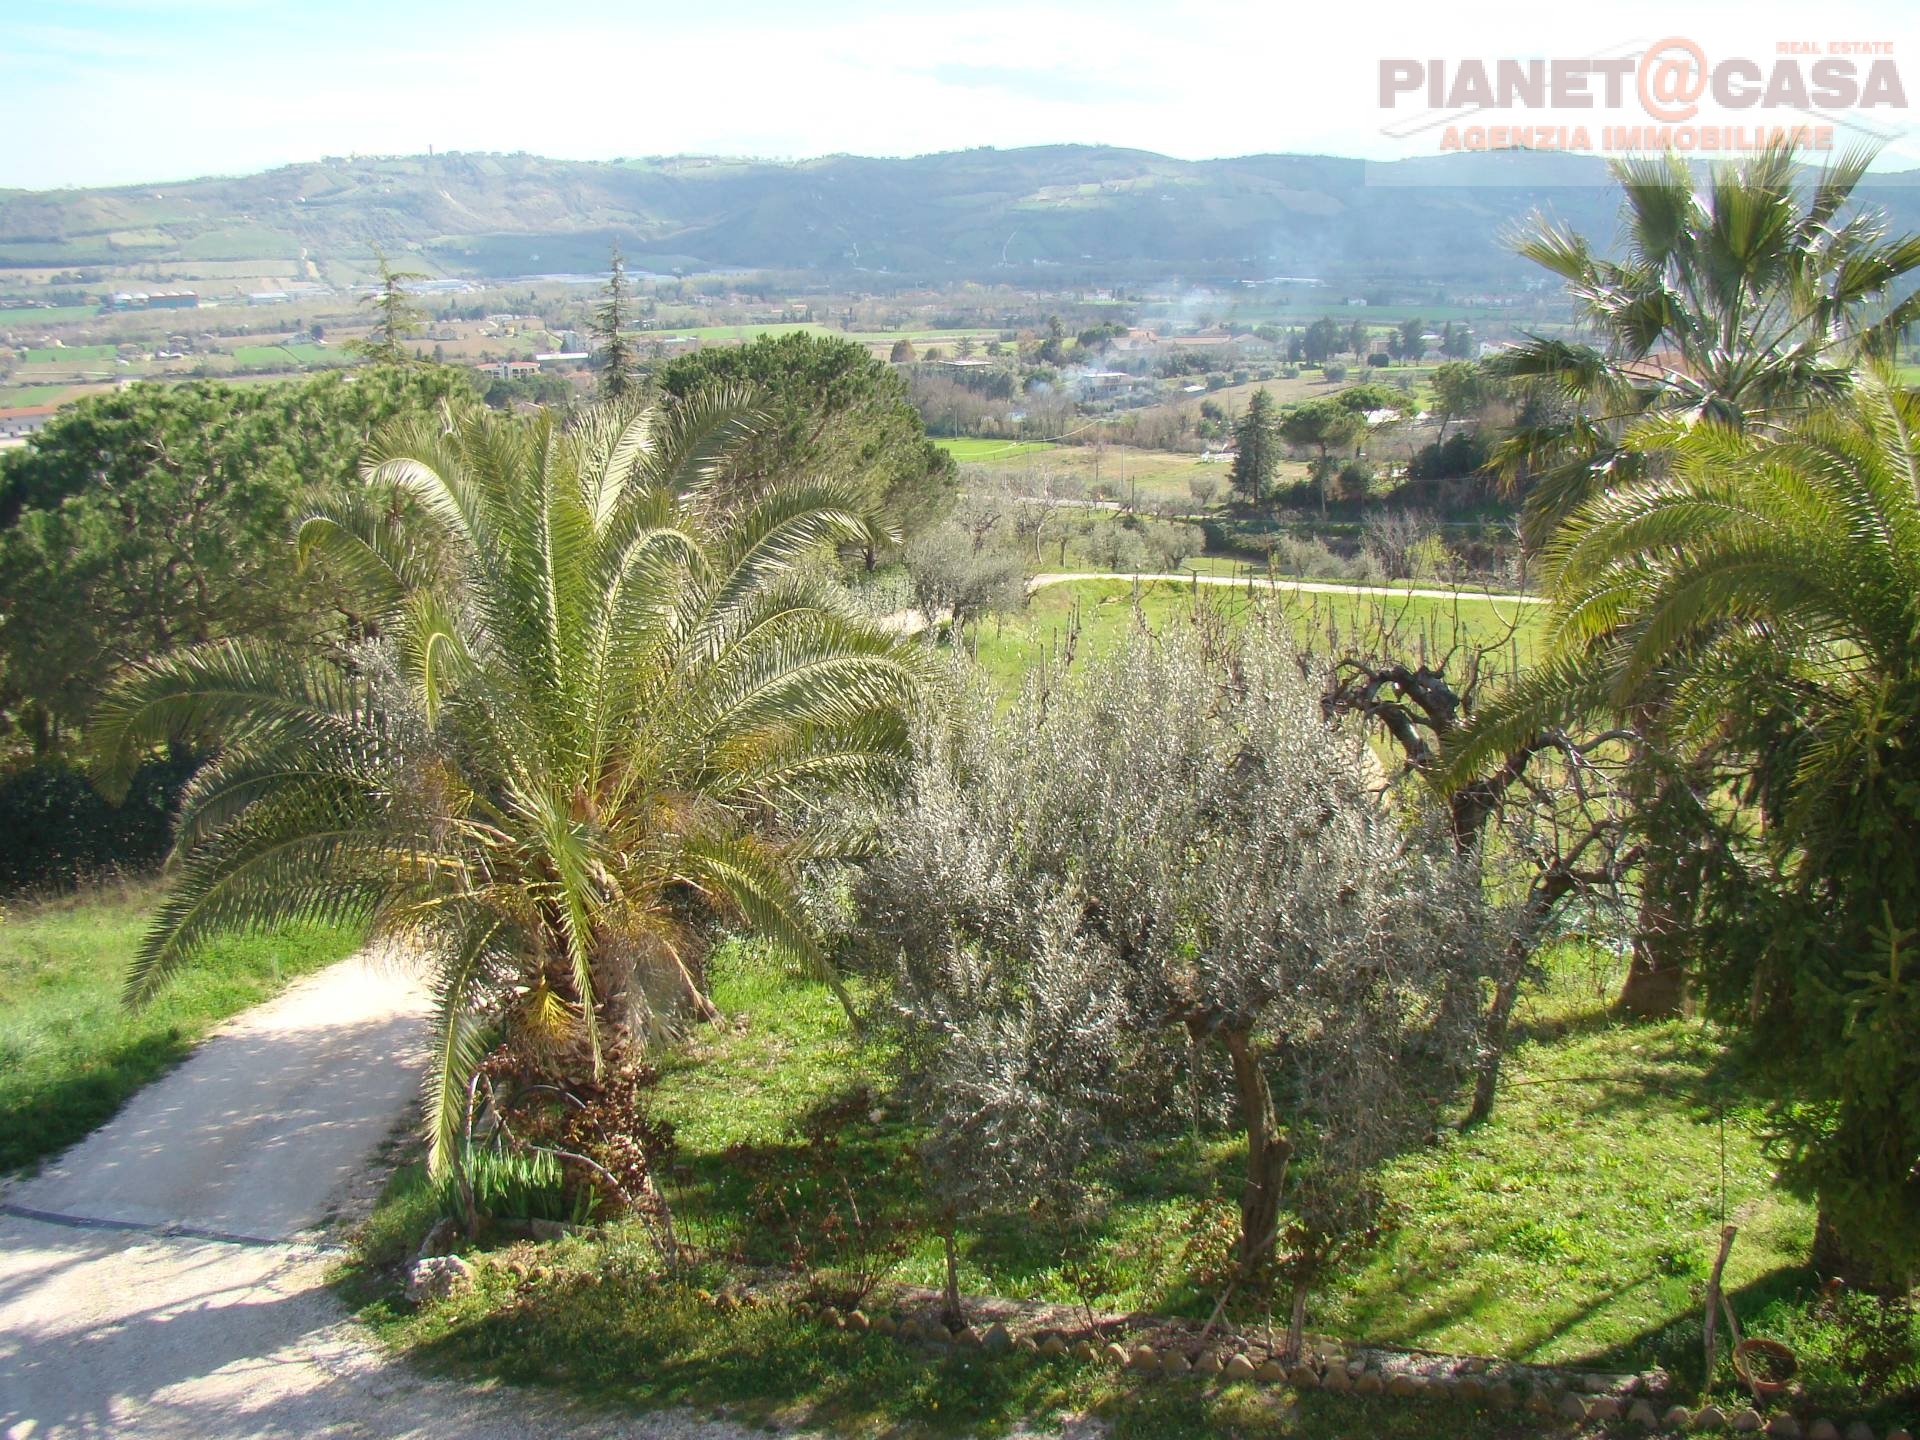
(968, 451)
(70, 1052)
(1095, 615)
(1577, 1225)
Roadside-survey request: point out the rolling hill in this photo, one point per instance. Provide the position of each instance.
(985, 214)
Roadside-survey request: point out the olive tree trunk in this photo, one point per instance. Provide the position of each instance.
(1268, 1152)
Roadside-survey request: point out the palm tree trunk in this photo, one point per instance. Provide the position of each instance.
(1656, 983)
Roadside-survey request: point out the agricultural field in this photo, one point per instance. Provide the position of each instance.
(1129, 473)
(27, 317)
(68, 355)
(292, 357)
(23, 395)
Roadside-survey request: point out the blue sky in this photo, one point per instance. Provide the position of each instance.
(116, 91)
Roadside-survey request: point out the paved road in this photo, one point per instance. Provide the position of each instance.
(1302, 587)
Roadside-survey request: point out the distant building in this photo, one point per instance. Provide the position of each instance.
(153, 300)
(24, 420)
(564, 357)
(1104, 384)
(269, 297)
(510, 369)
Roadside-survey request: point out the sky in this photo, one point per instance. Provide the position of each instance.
(97, 92)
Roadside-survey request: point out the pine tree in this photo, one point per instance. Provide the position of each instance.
(1257, 445)
(613, 353)
(399, 318)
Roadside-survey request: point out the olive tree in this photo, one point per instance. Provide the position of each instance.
(1175, 855)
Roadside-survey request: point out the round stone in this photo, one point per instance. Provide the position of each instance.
(1239, 1367)
(1748, 1421)
(1572, 1407)
(1174, 1363)
(1709, 1417)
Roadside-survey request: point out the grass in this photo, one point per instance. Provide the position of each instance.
(1093, 616)
(70, 1052)
(1581, 1225)
(969, 451)
(27, 316)
(859, 337)
(68, 354)
(293, 357)
(20, 395)
(1576, 1226)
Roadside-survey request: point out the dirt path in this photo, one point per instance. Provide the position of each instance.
(166, 1277)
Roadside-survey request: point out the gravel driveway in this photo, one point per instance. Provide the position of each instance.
(166, 1276)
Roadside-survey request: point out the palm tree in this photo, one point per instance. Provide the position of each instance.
(1761, 599)
(602, 699)
(1736, 303)
(1738, 306)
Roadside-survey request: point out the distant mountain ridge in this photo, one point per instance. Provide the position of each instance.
(1081, 211)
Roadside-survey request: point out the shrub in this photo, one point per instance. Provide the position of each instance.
(56, 829)
(1081, 894)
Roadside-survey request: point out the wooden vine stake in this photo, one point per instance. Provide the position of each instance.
(1715, 1300)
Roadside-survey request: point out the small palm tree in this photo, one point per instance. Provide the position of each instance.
(601, 700)
(1761, 601)
(1736, 302)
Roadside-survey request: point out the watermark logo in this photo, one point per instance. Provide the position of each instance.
(1670, 93)
(1672, 75)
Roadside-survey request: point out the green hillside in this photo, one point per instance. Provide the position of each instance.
(1058, 213)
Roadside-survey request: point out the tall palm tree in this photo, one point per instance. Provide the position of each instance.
(1762, 598)
(603, 698)
(1738, 305)
(1737, 302)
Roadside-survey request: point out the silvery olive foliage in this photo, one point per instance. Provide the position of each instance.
(1174, 852)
